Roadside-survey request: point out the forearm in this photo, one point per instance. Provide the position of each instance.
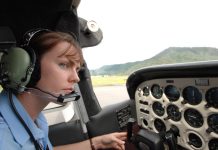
(113, 140)
(84, 145)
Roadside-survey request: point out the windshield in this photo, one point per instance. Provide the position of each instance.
(143, 33)
(151, 32)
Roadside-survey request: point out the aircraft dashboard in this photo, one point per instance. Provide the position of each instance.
(182, 98)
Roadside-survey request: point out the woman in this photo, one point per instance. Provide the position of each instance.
(58, 60)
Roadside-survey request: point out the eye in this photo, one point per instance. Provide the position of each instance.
(63, 65)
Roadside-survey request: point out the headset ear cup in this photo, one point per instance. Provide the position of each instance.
(18, 67)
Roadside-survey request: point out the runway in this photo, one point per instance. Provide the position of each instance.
(111, 94)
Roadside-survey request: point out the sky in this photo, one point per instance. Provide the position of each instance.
(135, 30)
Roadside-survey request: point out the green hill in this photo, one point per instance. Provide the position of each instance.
(168, 56)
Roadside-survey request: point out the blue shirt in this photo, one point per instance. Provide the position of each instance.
(13, 135)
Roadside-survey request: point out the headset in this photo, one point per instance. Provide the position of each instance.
(17, 63)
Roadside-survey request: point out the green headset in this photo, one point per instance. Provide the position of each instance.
(17, 63)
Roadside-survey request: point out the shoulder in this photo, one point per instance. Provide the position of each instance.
(8, 141)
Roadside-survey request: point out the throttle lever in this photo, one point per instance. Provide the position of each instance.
(171, 137)
(171, 140)
(130, 123)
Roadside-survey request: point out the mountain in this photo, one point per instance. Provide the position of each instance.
(168, 56)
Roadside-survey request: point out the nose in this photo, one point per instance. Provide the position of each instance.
(74, 77)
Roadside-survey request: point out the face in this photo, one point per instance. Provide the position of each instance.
(58, 73)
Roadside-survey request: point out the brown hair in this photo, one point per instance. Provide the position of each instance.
(44, 42)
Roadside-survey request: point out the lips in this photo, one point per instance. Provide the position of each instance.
(67, 90)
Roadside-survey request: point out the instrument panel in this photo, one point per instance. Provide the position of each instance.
(188, 104)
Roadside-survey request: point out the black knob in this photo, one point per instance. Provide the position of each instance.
(129, 129)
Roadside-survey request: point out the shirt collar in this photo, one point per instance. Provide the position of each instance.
(17, 129)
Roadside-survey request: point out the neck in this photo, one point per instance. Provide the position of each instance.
(32, 104)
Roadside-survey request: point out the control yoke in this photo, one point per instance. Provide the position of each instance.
(148, 140)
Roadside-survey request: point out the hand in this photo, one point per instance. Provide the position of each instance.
(112, 140)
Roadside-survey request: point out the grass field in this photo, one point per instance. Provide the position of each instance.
(108, 80)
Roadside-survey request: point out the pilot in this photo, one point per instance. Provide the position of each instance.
(56, 58)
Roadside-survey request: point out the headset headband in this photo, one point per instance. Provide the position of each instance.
(32, 33)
